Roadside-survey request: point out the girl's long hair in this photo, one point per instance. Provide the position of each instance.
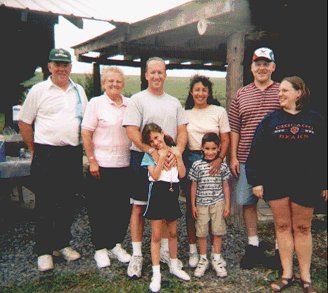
(153, 127)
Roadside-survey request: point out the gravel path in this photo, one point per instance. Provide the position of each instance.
(18, 262)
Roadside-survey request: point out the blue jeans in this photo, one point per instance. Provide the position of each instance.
(242, 190)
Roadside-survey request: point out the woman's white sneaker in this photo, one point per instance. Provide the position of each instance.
(101, 258)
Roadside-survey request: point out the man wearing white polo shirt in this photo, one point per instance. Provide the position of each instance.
(50, 122)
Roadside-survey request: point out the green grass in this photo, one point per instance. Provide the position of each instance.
(175, 86)
(95, 283)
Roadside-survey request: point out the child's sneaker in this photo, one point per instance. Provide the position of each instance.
(181, 274)
(155, 284)
(165, 258)
(193, 259)
(135, 266)
(201, 268)
(219, 267)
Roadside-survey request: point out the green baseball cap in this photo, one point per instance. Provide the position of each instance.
(60, 55)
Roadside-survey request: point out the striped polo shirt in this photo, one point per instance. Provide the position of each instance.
(247, 109)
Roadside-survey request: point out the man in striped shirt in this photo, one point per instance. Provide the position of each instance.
(250, 105)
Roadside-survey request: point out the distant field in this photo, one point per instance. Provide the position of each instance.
(176, 86)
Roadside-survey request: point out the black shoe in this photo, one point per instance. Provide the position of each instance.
(265, 245)
(273, 262)
(253, 257)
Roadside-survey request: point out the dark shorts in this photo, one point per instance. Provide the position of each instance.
(189, 157)
(307, 198)
(139, 178)
(163, 204)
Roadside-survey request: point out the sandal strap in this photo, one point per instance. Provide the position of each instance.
(309, 288)
(282, 283)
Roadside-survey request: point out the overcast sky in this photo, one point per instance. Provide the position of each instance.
(68, 35)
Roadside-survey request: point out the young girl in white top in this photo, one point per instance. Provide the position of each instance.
(163, 204)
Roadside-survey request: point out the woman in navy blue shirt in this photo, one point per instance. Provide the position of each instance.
(287, 167)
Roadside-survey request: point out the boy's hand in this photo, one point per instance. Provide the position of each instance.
(194, 212)
(226, 213)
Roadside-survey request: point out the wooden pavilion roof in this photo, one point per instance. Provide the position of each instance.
(174, 35)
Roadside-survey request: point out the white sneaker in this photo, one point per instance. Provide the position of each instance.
(101, 258)
(193, 259)
(120, 253)
(68, 253)
(201, 268)
(181, 274)
(45, 263)
(219, 267)
(135, 266)
(155, 284)
(165, 258)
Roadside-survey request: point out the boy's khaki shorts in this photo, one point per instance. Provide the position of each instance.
(211, 213)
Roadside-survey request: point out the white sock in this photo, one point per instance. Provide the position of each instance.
(217, 256)
(203, 256)
(136, 247)
(174, 262)
(253, 240)
(193, 248)
(277, 246)
(156, 270)
(164, 244)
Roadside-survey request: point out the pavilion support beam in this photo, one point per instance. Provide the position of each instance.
(144, 82)
(96, 80)
(234, 79)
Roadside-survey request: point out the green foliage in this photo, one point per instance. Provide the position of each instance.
(86, 81)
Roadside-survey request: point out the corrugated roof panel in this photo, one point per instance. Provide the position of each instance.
(73, 8)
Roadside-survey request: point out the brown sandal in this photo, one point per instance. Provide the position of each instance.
(307, 287)
(282, 284)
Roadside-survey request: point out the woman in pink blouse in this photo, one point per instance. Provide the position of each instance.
(108, 150)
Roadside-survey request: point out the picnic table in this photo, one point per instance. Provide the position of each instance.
(14, 178)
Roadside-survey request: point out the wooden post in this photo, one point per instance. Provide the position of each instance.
(144, 82)
(96, 80)
(234, 80)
